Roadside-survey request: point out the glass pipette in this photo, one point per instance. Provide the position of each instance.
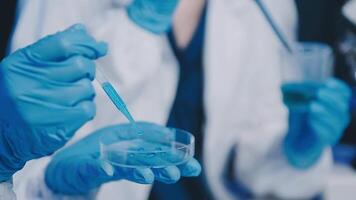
(113, 95)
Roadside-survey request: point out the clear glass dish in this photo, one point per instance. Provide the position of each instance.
(147, 145)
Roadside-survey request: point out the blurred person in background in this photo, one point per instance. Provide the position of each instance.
(215, 74)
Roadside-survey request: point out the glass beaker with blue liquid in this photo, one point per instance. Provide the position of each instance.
(304, 70)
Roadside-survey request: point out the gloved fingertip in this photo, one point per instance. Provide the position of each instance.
(143, 176)
(88, 108)
(192, 168)
(323, 94)
(334, 83)
(315, 107)
(108, 168)
(102, 49)
(168, 175)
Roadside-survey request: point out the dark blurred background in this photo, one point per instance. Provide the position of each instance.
(7, 20)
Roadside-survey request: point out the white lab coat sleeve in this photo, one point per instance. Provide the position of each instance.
(349, 11)
(6, 191)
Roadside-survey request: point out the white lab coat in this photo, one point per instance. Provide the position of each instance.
(349, 11)
(6, 191)
(242, 98)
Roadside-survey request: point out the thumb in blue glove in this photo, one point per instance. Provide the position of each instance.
(45, 95)
(318, 124)
(79, 168)
(153, 15)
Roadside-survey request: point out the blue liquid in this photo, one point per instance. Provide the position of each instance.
(117, 101)
(301, 140)
(299, 94)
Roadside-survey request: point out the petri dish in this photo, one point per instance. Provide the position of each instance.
(144, 144)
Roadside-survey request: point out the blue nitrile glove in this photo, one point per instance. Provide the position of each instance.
(153, 15)
(79, 168)
(45, 96)
(318, 117)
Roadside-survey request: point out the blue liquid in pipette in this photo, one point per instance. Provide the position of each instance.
(117, 101)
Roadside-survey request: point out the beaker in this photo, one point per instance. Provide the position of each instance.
(303, 72)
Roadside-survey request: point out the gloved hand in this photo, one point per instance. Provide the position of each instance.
(45, 96)
(315, 122)
(153, 15)
(78, 169)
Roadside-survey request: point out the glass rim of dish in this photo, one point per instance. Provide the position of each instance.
(177, 130)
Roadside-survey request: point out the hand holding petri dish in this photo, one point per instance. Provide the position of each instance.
(144, 144)
(140, 152)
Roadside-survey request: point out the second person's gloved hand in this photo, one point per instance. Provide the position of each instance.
(78, 169)
(317, 126)
(153, 15)
(45, 95)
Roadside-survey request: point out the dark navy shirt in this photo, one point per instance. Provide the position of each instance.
(188, 113)
(7, 21)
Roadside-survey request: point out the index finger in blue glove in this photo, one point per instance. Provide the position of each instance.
(71, 70)
(78, 114)
(65, 94)
(73, 41)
